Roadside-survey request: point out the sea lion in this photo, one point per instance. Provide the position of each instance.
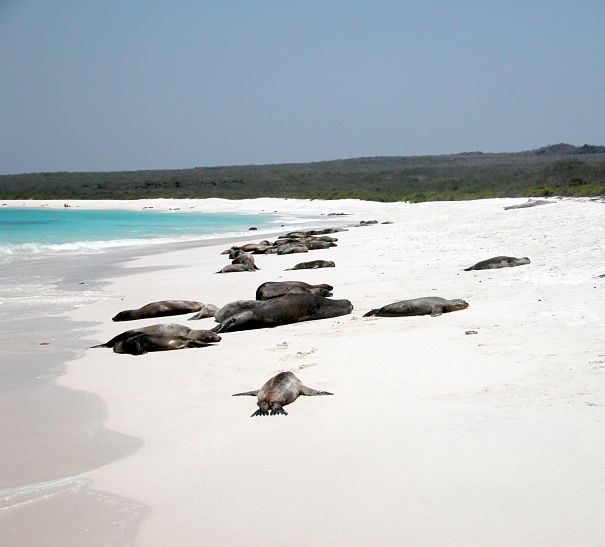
(275, 289)
(313, 264)
(209, 310)
(290, 248)
(159, 309)
(169, 330)
(230, 268)
(367, 222)
(498, 262)
(233, 308)
(429, 305)
(290, 308)
(144, 343)
(246, 259)
(281, 390)
(314, 244)
(529, 203)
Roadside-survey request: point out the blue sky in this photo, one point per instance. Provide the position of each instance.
(116, 85)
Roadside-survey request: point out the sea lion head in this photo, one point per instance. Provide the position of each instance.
(457, 304)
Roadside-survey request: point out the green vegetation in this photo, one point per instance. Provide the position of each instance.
(561, 169)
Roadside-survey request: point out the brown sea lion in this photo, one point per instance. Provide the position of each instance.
(499, 262)
(159, 309)
(164, 329)
(245, 258)
(429, 305)
(209, 310)
(275, 289)
(313, 264)
(290, 308)
(281, 390)
(164, 332)
(144, 343)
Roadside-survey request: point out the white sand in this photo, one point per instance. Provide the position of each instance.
(433, 437)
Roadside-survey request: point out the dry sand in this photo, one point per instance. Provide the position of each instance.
(433, 437)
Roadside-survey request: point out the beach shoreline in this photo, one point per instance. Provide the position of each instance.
(409, 387)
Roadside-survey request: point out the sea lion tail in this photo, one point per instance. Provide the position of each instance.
(105, 345)
(468, 269)
(370, 313)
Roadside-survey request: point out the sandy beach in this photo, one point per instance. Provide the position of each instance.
(478, 427)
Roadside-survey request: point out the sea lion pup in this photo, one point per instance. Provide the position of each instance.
(209, 310)
(281, 390)
(246, 259)
(290, 308)
(159, 309)
(429, 305)
(498, 262)
(313, 264)
(234, 308)
(230, 268)
(170, 330)
(144, 343)
(275, 289)
(529, 203)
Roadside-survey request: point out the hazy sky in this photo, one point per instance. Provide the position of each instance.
(127, 84)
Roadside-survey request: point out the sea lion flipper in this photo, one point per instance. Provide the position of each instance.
(311, 392)
(253, 393)
(370, 313)
(278, 410)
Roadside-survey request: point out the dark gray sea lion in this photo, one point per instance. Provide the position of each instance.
(233, 308)
(230, 268)
(313, 264)
(281, 390)
(169, 330)
(275, 289)
(246, 259)
(367, 222)
(209, 310)
(325, 231)
(429, 305)
(499, 262)
(315, 244)
(290, 248)
(529, 203)
(162, 308)
(290, 308)
(144, 343)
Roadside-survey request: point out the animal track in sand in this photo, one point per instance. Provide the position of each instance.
(279, 347)
(298, 355)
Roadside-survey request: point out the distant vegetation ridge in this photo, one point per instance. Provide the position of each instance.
(559, 169)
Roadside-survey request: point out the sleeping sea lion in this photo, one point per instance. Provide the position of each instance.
(230, 268)
(529, 203)
(234, 308)
(290, 308)
(169, 330)
(275, 289)
(498, 262)
(290, 248)
(209, 310)
(159, 309)
(279, 391)
(313, 264)
(429, 305)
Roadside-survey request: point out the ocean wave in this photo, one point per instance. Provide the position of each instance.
(8, 250)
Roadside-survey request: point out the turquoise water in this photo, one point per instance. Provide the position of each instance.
(34, 231)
